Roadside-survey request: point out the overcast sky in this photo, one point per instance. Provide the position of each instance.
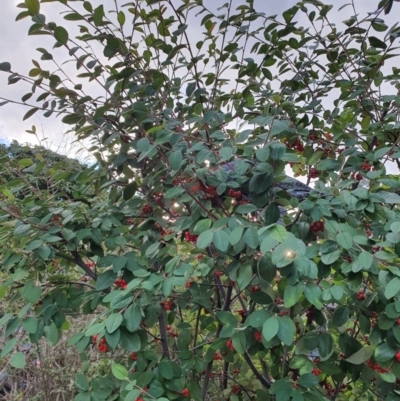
(18, 48)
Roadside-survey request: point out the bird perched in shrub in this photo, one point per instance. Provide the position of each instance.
(248, 181)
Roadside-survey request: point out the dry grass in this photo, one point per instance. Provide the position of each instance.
(48, 374)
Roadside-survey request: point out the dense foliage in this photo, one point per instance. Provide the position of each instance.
(195, 288)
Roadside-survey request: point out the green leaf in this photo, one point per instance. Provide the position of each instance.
(365, 259)
(95, 329)
(257, 318)
(175, 160)
(345, 240)
(33, 6)
(330, 258)
(361, 355)
(292, 294)
(51, 333)
(392, 288)
(5, 66)
(308, 380)
(130, 190)
(98, 15)
(81, 382)
(313, 294)
(221, 240)
(18, 360)
(30, 113)
(239, 342)
(119, 371)
(133, 317)
(375, 42)
(202, 225)
(340, 316)
(121, 18)
(236, 235)
(244, 276)
(166, 370)
(287, 330)
(8, 347)
(270, 328)
(61, 35)
(30, 325)
(105, 280)
(113, 322)
(245, 209)
(278, 232)
(205, 239)
(384, 353)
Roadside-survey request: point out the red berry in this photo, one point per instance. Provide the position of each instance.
(397, 356)
(185, 392)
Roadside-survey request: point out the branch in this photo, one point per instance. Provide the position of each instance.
(163, 336)
(207, 374)
(263, 380)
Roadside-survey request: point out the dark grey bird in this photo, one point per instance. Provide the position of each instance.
(291, 186)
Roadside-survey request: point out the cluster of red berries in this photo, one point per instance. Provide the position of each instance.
(217, 356)
(254, 288)
(121, 283)
(312, 137)
(234, 194)
(257, 336)
(130, 221)
(313, 173)
(360, 295)
(185, 392)
(296, 145)
(146, 209)
(377, 368)
(397, 356)
(89, 264)
(316, 226)
(316, 371)
(166, 305)
(236, 372)
(368, 232)
(236, 389)
(241, 312)
(157, 196)
(328, 151)
(102, 347)
(165, 232)
(133, 356)
(190, 237)
(365, 166)
(229, 345)
(84, 278)
(356, 176)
